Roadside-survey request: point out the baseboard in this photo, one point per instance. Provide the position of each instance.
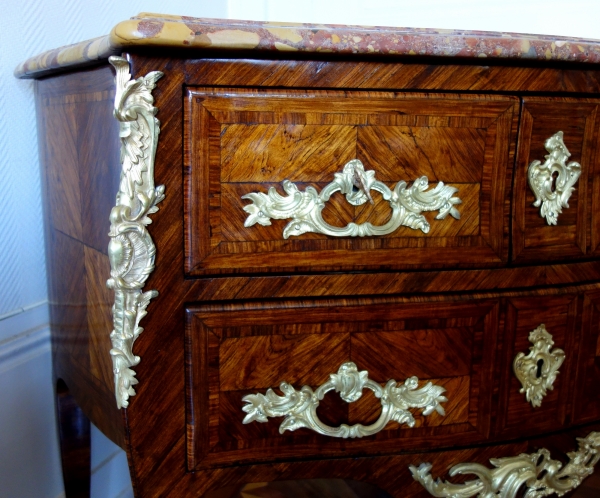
(23, 347)
(27, 421)
(110, 472)
(23, 320)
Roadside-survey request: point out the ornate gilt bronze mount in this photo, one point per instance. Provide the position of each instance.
(536, 473)
(538, 370)
(131, 250)
(552, 182)
(300, 407)
(304, 208)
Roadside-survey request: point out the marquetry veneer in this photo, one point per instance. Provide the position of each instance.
(241, 309)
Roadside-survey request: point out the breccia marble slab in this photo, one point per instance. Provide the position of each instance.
(161, 30)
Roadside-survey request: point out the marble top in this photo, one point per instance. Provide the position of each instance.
(159, 30)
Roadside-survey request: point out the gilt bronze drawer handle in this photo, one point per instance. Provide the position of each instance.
(552, 182)
(541, 475)
(300, 407)
(538, 370)
(304, 208)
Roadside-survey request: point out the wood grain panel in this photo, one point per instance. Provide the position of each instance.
(587, 404)
(299, 153)
(389, 472)
(551, 278)
(533, 238)
(448, 154)
(558, 314)
(411, 353)
(79, 168)
(239, 143)
(325, 488)
(345, 488)
(255, 323)
(62, 173)
(234, 350)
(328, 107)
(157, 413)
(99, 179)
(438, 75)
(68, 308)
(100, 301)
(266, 361)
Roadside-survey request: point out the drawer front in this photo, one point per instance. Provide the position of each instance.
(557, 315)
(243, 142)
(236, 351)
(577, 227)
(587, 383)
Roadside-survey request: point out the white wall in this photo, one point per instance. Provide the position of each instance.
(29, 461)
(570, 18)
(29, 465)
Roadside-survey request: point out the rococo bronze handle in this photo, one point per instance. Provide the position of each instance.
(300, 407)
(304, 208)
(540, 475)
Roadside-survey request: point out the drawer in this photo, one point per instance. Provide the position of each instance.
(587, 383)
(242, 142)
(235, 351)
(576, 231)
(557, 317)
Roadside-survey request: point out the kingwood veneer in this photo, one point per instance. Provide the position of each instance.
(242, 308)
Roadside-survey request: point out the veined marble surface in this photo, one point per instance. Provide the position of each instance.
(159, 30)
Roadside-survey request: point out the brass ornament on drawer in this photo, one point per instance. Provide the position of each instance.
(552, 192)
(304, 208)
(300, 407)
(538, 370)
(541, 475)
(131, 249)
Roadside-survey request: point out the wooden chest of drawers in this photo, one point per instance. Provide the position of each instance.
(456, 314)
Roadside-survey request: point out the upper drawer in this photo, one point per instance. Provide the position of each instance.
(241, 142)
(555, 193)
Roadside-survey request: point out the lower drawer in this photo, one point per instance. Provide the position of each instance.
(546, 465)
(331, 378)
(542, 331)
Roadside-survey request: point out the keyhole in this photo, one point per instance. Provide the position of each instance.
(540, 364)
(554, 178)
(355, 188)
